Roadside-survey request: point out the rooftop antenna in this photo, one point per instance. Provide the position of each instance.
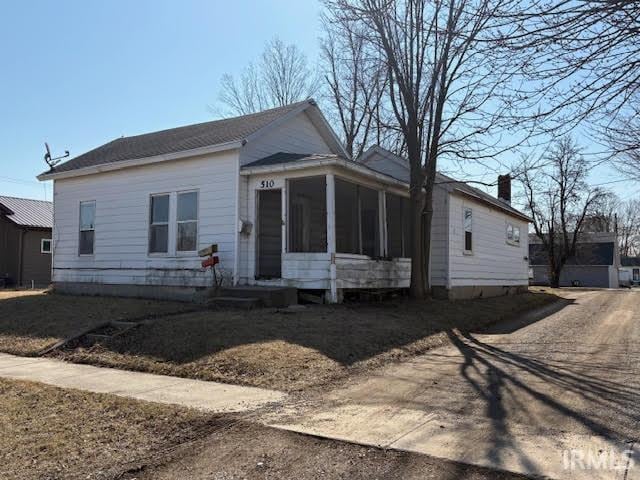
(53, 161)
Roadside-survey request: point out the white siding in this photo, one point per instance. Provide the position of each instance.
(296, 135)
(243, 241)
(439, 238)
(357, 271)
(493, 261)
(122, 222)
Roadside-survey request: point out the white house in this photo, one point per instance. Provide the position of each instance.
(276, 192)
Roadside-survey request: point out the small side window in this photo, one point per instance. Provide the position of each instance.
(87, 227)
(45, 245)
(468, 230)
(513, 234)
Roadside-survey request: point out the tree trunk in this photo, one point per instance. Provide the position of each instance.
(427, 217)
(417, 287)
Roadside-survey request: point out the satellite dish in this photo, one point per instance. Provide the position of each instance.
(52, 162)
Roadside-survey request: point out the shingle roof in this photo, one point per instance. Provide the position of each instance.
(630, 261)
(28, 213)
(600, 253)
(282, 157)
(441, 179)
(177, 139)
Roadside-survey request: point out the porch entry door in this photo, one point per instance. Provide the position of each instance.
(269, 256)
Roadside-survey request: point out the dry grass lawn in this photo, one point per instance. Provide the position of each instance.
(295, 350)
(31, 321)
(52, 433)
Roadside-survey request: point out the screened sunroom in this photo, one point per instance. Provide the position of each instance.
(324, 223)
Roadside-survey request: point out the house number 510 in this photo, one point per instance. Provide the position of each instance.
(267, 183)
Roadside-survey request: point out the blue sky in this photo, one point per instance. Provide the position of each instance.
(79, 73)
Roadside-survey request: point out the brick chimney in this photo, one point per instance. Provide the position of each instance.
(504, 187)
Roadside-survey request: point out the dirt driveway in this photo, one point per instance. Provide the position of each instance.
(542, 396)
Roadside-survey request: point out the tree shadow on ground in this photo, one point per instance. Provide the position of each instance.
(514, 383)
(345, 334)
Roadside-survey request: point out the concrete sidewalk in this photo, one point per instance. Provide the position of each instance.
(210, 396)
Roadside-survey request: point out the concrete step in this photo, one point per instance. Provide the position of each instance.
(269, 296)
(245, 303)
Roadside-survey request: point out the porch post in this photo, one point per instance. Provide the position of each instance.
(331, 235)
(382, 222)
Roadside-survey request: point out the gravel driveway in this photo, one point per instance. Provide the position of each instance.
(556, 395)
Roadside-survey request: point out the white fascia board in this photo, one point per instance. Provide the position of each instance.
(331, 162)
(136, 162)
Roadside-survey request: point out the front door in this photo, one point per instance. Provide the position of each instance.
(269, 234)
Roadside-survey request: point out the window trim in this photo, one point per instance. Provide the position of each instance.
(150, 224)
(186, 253)
(80, 230)
(512, 241)
(42, 250)
(464, 231)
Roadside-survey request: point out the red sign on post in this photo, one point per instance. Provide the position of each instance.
(210, 262)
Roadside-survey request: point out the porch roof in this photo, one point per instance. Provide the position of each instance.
(284, 162)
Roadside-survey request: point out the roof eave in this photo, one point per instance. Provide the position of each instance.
(329, 162)
(136, 162)
(504, 209)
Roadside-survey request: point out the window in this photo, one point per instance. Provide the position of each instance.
(307, 214)
(513, 234)
(468, 230)
(398, 226)
(159, 224)
(45, 245)
(187, 222)
(87, 227)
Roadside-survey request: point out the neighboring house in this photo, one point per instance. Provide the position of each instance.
(25, 241)
(595, 264)
(631, 265)
(277, 194)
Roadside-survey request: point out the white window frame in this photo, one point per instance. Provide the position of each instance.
(464, 231)
(512, 241)
(42, 250)
(150, 224)
(80, 230)
(197, 220)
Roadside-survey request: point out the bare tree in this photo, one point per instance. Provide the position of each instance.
(604, 216)
(282, 76)
(355, 81)
(629, 228)
(559, 201)
(622, 135)
(448, 77)
(586, 65)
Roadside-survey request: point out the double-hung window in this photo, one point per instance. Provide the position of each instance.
(173, 223)
(468, 230)
(513, 234)
(187, 222)
(87, 227)
(159, 224)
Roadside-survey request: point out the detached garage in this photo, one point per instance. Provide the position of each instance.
(25, 242)
(595, 264)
